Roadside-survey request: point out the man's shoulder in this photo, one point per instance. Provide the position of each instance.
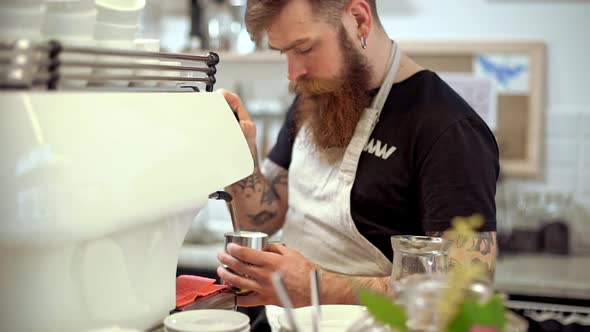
(425, 103)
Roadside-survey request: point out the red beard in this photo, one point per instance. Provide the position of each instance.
(331, 108)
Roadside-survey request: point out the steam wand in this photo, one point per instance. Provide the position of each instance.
(227, 197)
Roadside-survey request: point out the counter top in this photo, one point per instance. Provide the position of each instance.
(544, 275)
(532, 274)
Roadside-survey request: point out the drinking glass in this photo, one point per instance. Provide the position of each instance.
(419, 255)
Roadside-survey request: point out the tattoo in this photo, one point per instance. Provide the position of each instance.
(486, 240)
(269, 192)
(269, 195)
(261, 218)
(258, 197)
(251, 182)
(480, 249)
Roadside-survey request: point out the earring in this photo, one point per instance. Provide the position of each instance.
(363, 42)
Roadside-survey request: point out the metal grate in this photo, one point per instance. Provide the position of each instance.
(25, 64)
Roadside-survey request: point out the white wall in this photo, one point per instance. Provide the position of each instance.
(564, 25)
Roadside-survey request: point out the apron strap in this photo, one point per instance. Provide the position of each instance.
(393, 64)
(370, 117)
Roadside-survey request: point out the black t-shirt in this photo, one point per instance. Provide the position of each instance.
(430, 158)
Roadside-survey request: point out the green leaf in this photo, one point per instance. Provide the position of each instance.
(384, 310)
(471, 313)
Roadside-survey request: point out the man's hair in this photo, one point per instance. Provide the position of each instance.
(260, 13)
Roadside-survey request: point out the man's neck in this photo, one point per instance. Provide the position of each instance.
(378, 57)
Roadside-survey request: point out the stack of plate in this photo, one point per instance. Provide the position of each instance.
(207, 320)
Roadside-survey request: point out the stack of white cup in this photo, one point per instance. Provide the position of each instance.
(21, 19)
(72, 22)
(116, 26)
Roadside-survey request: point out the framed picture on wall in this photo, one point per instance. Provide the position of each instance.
(513, 101)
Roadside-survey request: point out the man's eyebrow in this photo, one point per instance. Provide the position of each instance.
(290, 46)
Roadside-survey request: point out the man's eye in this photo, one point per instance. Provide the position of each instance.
(305, 51)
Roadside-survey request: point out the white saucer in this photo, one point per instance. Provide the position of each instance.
(207, 320)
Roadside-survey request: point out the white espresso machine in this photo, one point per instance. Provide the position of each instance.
(98, 185)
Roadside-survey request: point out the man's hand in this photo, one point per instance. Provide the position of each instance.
(259, 266)
(246, 123)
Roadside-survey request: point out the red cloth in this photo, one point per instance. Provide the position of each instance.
(188, 288)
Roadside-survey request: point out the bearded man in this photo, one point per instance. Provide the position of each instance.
(373, 146)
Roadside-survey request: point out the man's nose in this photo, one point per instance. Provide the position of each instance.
(296, 68)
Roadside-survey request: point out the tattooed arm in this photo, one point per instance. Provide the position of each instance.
(261, 199)
(479, 250)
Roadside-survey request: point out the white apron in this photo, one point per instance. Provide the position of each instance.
(319, 223)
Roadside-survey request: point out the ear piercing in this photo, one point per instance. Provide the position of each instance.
(364, 42)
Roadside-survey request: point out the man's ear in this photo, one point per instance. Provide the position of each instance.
(360, 10)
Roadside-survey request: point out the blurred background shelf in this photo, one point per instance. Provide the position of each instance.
(266, 57)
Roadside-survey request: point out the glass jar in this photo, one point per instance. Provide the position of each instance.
(419, 255)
